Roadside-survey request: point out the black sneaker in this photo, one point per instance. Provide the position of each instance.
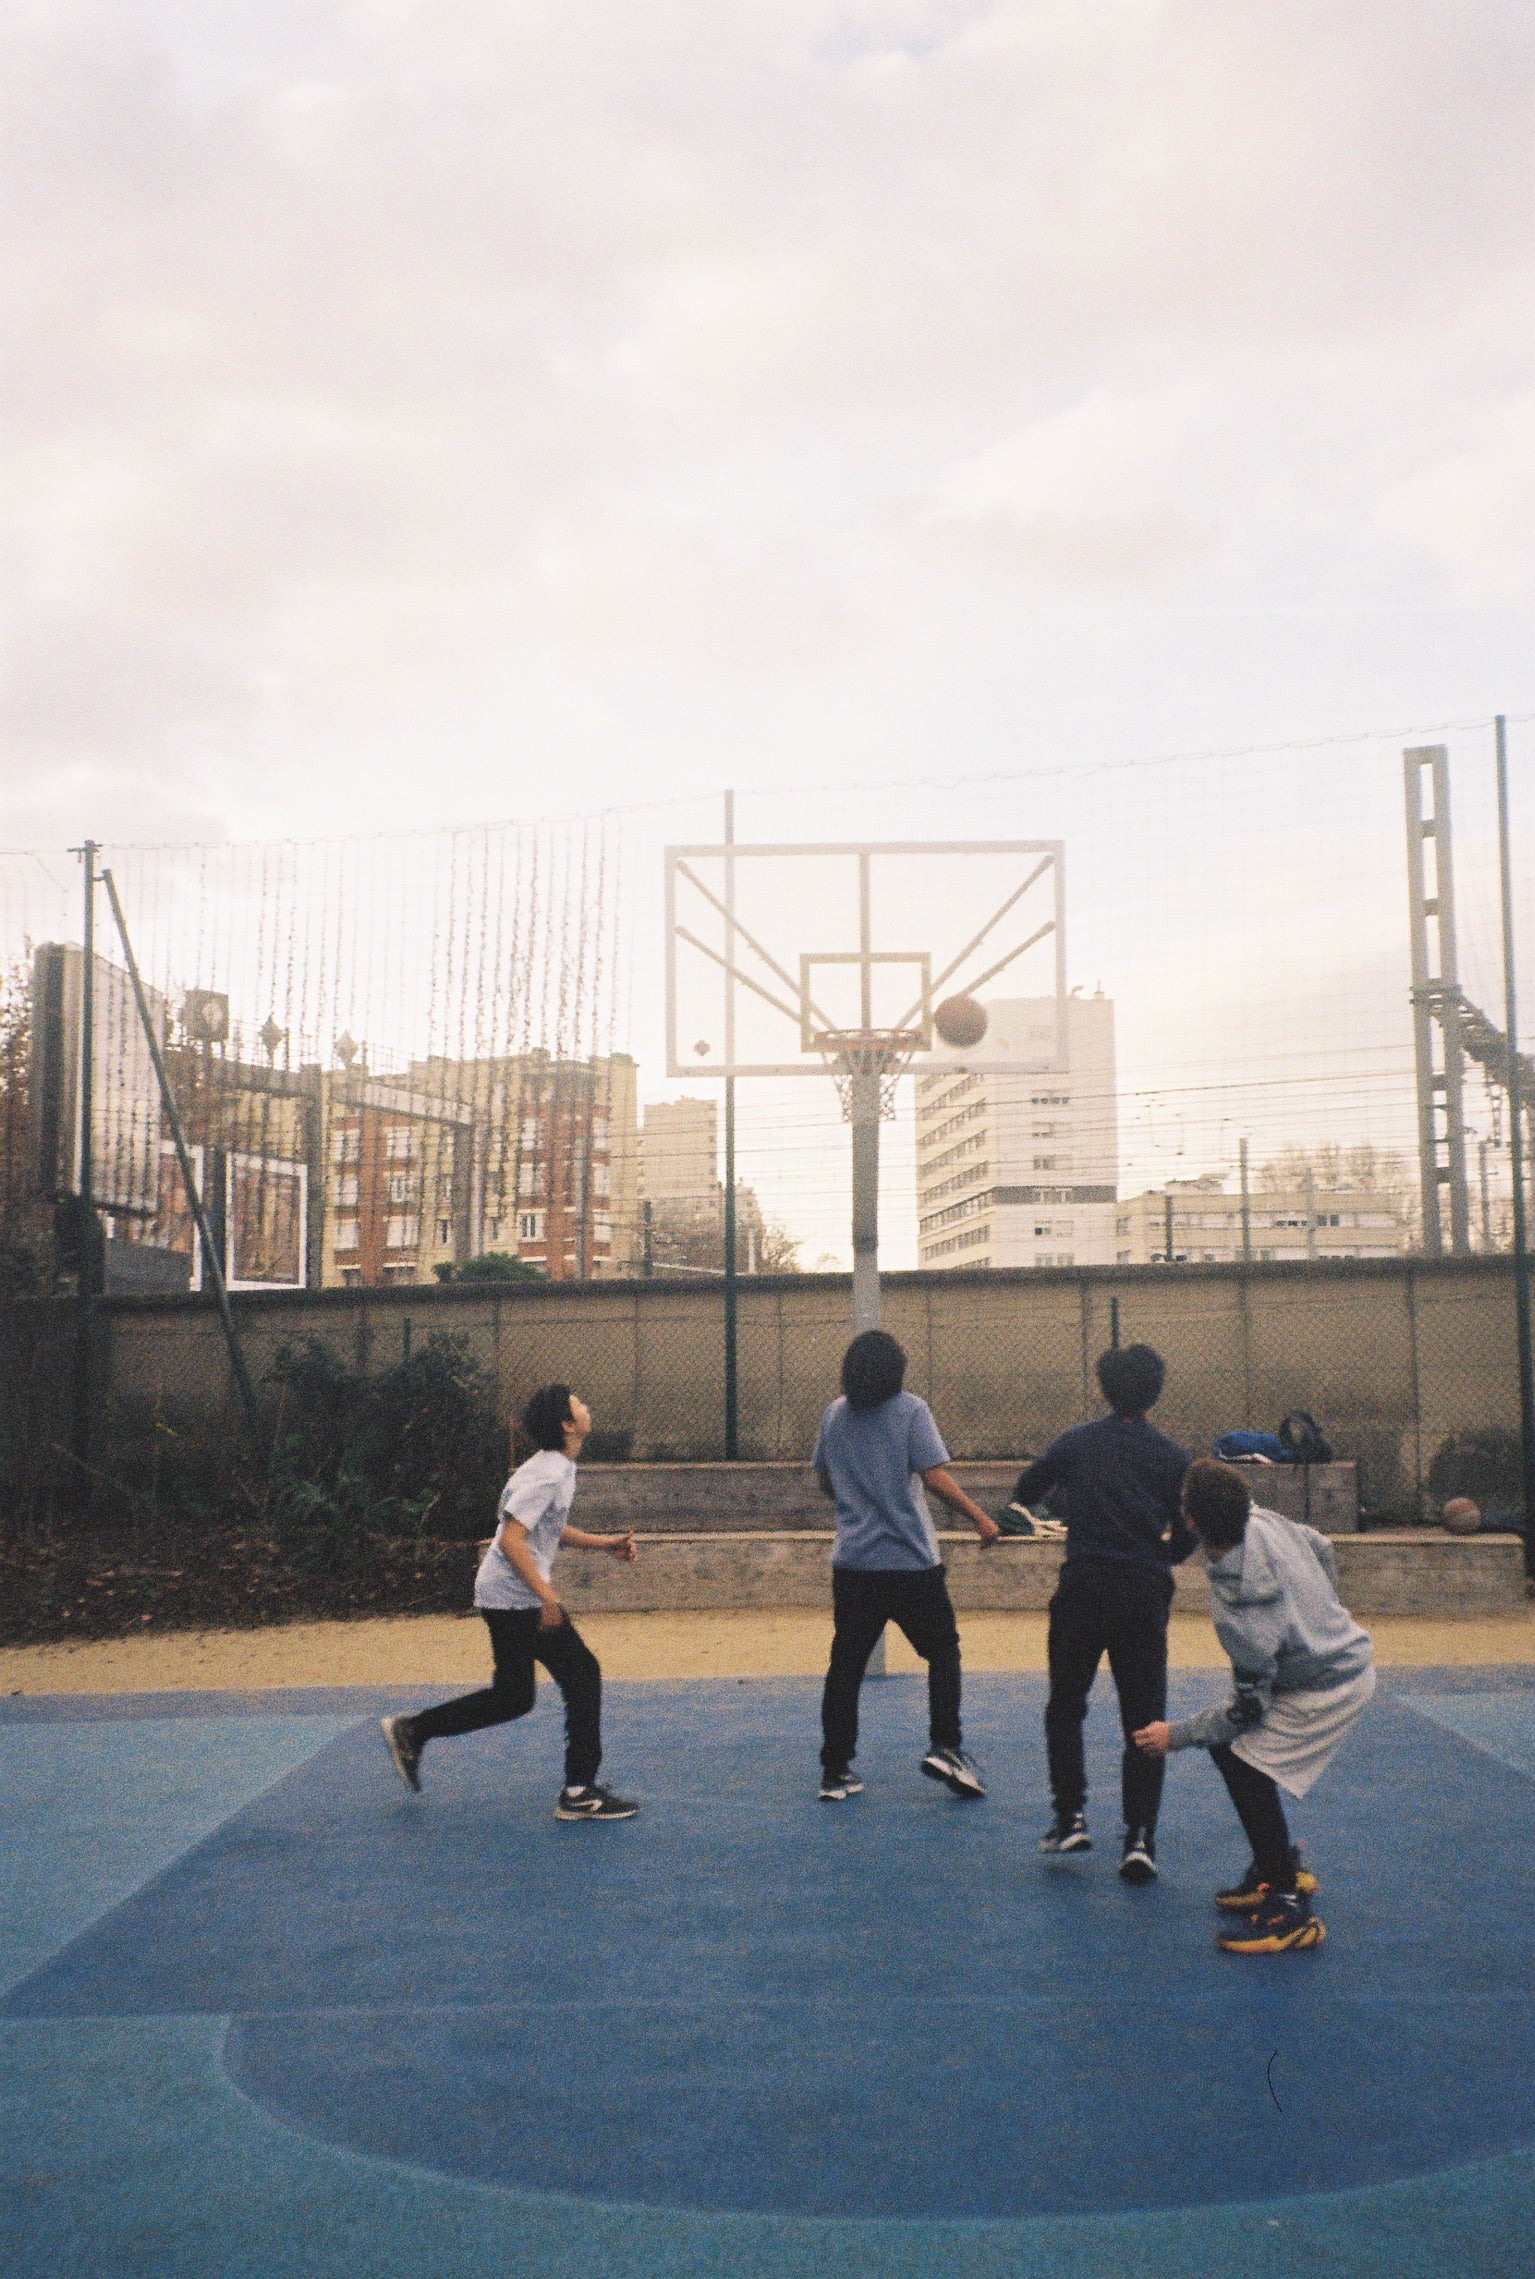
(1246, 1897)
(404, 1749)
(837, 1787)
(593, 1803)
(955, 1770)
(1139, 1862)
(1281, 1924)
(1067, 1833)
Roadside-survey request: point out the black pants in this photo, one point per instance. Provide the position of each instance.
(1121, 1612)
(864, 1599)
(1256, 1798)
(518, 1642)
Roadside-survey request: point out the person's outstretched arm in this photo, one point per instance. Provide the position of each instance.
(1036, 1478)
(947, 1489)
(620, 1546)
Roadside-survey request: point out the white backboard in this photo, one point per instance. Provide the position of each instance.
(776, 954)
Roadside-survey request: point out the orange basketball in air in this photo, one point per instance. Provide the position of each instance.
(960, 1021)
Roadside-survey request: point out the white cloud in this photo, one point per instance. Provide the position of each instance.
(1472, 510)
(395, 372)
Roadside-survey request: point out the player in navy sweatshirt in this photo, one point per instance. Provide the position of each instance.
(1121, 1482)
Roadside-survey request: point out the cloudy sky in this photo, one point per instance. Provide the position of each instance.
(424, 410)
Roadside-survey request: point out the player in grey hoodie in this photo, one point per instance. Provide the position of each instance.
(1303, 1671)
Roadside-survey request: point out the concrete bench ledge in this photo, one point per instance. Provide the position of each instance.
(1411, 1572)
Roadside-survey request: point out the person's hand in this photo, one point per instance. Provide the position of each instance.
(1153, 1738)
(550, 1615)
(987, 1529)
(623, 1547)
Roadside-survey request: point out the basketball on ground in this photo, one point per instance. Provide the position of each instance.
(960, 1021)
(1461, 1516)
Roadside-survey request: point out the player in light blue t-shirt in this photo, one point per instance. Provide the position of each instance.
(873, 1448)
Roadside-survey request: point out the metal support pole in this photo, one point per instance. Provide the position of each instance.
(1167, 1232)
(88, 1250)
(865, 1105)
(213, 1263)
(732, 1373)
(1521, 1239)
(1247, 1205)
(1436, 997)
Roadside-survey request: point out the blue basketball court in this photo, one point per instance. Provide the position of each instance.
(263, 2012)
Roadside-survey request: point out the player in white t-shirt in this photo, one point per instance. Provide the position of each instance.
(526, 1620)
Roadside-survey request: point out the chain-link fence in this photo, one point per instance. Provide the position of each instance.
(425, 1089)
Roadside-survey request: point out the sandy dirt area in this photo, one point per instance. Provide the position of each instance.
(451, 1650)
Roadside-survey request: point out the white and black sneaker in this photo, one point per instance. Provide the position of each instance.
(955, 1770)
(1067, 1833)
(836, 1788)
(593, 1803)
(1139, 1861)
(404, 1748)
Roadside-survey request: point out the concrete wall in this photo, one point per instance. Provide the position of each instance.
(1390, 1356)
(1422, 1572)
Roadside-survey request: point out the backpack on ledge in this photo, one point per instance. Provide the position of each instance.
(1302, 1437)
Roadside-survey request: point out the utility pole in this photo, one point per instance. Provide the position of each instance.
(732, 1393)
(1521, 1239)
(1247, 1211)
(1167, 1236)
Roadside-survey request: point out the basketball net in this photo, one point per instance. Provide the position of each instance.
(882, 1053)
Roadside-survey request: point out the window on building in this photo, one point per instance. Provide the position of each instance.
(346, 1188)
(402, 1231)
(602, 1228)
(531, 1226)
(351, 1276)
(346, 1234)
(346, 1145)
(444, 1230)
(599, 1179)
(399, 1143)
(1044, 1162)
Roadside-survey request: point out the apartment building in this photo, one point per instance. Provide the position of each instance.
(1022, 1169)
(399, 1171)
(1199, 1221)
(556, 1158)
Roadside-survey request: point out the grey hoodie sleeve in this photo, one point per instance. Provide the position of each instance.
(1213, 1727)
(1248, 1607)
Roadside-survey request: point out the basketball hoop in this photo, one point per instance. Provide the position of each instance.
(881, 1053)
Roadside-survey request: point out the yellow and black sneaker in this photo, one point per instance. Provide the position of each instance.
(1283, 1921)
(1246, 1897)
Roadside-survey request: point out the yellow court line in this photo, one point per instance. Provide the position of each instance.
(449, 1650)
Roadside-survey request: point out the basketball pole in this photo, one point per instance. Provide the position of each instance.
(864, 1088)
(1515, 1145)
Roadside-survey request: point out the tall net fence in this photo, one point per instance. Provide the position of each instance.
(439, 1064)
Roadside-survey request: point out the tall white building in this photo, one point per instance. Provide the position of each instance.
(1023, 1170)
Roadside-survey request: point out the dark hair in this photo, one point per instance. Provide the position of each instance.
(1216, 1498)
(546, 1416)
(873, 1369)
(1131, 1377)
